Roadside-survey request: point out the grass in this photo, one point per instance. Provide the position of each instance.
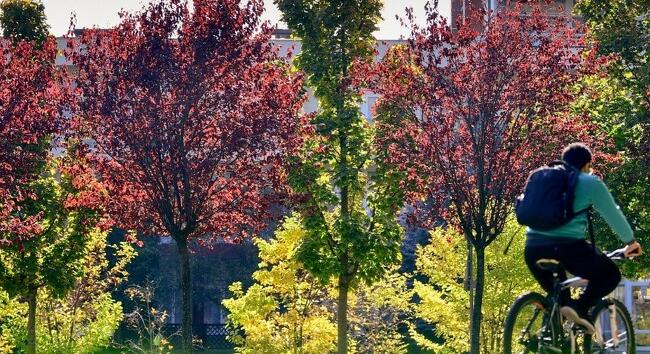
(120, 351)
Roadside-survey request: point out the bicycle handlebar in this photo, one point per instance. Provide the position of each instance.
(618, 254)
(613, 255)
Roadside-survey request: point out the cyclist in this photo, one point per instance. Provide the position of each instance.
(567, 243)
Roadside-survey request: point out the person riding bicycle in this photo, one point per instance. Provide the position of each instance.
(567, 243)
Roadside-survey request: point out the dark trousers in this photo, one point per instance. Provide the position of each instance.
(579, 259)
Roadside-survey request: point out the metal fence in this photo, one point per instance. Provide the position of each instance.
(211, 336)
(635, 296)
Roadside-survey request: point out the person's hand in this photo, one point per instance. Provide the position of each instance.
(633, 250)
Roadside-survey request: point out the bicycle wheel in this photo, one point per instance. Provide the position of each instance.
(523, 324)
(614, 329)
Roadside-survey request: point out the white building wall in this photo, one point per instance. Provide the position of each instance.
(285, 47)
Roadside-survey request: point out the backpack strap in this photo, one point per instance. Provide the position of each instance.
(557, 163)
(590, 222)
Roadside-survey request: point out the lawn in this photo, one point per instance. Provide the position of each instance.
(119, 351)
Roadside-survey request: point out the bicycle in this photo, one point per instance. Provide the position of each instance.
(542, 329)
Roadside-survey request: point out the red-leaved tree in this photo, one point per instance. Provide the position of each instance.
(191, 112)
(475, 111)
(32, 93)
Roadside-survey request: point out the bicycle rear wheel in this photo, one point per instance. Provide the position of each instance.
(614, 330)
(523, 324)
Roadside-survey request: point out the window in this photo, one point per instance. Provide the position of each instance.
(368, 105)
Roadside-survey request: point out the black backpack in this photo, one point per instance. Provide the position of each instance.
(547, 202)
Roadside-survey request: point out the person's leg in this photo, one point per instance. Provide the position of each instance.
(544, 277)
(602, 273)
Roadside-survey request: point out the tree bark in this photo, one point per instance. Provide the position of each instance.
(31, 322)
(469, 265)
(342, 315)
(475, 337)
(186, 293)
(470, 284)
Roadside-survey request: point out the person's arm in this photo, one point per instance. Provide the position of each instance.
(605, 205)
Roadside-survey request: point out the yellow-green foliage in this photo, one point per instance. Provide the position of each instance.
(81, 322)
(377, 312)
(444, 300)
(76, 331)
(54, 337)
(283, 311)
(287, 310)
(13, 323)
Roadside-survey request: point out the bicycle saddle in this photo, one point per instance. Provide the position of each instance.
(552, 265)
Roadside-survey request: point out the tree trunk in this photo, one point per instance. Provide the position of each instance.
(342, 315)
(469, 265)
(475, 337)
(31, 322)
(186, 293)
(470, 284)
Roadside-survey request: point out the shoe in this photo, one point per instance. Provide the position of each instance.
(571, 313)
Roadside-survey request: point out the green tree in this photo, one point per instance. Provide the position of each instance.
(444, 299)
(23, 20)
(85, 319)
(618, 112)
(618, 100)
(622, 27)
(68, 202)
(348, 209)
(287, 310)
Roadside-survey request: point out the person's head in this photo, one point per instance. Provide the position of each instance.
(578, 155)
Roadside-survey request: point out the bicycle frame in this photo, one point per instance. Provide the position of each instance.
(553, 333)
(552, 327)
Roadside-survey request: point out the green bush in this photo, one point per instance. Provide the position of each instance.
(81, 322)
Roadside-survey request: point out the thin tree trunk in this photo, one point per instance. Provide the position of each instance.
(342, 315)
(469, 279)
(31, 322)
(75, 302)
(475, 337)
(469, 265)
(186, 293)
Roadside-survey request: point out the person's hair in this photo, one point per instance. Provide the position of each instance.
(577, 155)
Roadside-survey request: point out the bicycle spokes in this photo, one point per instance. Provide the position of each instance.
(529, 326)
(611, 331)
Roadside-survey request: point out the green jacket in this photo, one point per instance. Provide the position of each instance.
(590, 191)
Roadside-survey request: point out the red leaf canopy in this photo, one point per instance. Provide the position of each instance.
(31, 95)
(485, 105)
(191, 114)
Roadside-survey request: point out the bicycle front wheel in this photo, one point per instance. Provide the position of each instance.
(614, 331)
(524, 324)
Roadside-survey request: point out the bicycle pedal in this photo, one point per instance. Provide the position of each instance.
(579, 329)
(573, 326)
